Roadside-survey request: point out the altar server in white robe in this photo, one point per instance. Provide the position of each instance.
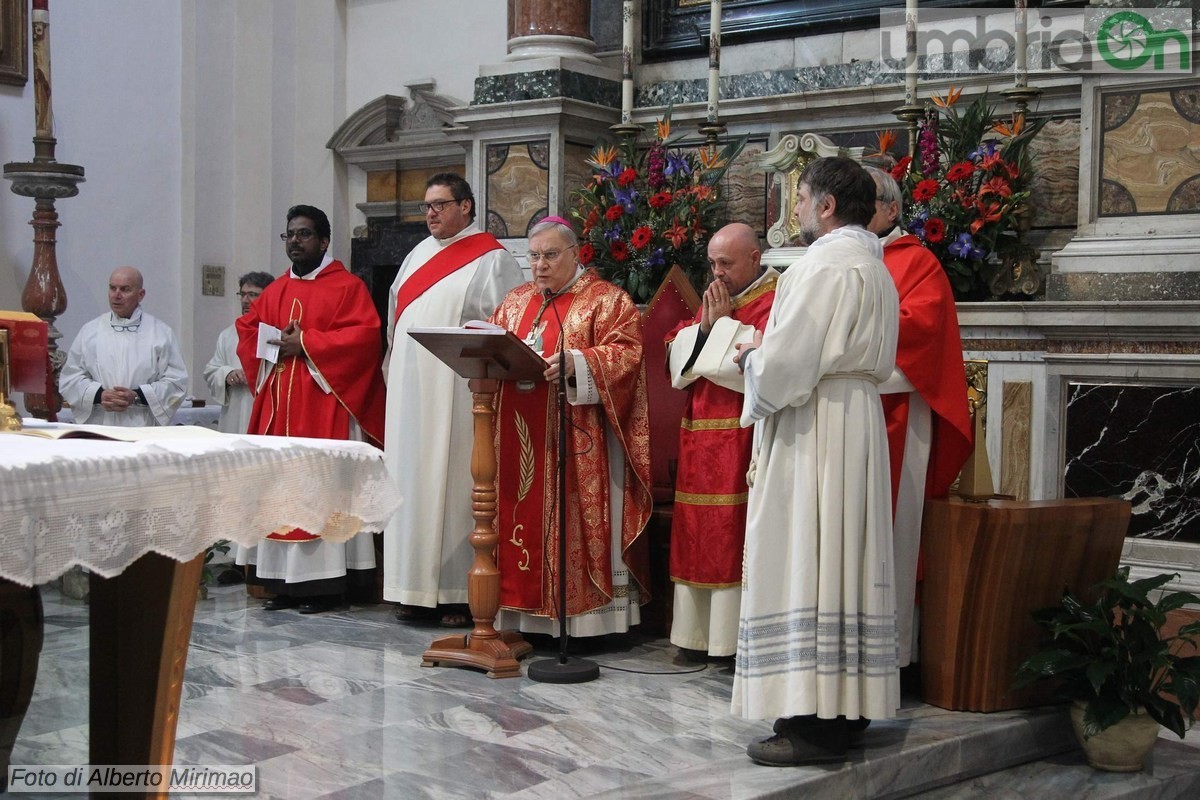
(817, 642)
(223, 373)
(125, 367)
(458, 274)
(227, 383)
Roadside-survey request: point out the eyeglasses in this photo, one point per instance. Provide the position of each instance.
(251, 295)
(549, 255)
(436, 205)
(304, 234)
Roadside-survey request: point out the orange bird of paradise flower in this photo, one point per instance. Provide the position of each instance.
(952, 95)
(710, 158)
(885, 142)
(1011, 130)
(602, 157)
(663, 129)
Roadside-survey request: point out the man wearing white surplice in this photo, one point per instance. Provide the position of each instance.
(223, 372)
(457, 274)
(817, 642)
(125, 367)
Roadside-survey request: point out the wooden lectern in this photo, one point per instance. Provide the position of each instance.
(988, 566)
(485, 357)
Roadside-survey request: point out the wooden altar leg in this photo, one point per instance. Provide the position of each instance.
(21, 634)
(484, 647)
(141, 621)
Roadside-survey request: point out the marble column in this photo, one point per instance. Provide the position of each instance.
(540, 28)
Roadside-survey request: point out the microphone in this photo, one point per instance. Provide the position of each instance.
(565, 669)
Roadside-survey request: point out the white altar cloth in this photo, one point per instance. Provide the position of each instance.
(103, 504)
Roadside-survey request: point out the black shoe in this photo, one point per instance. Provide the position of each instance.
(855, 730)
(279, 602)
(319, 605)
(694, 656)
(808, 741)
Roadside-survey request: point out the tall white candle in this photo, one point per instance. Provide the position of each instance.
(1021, 63)
(714, 59)
(910, 52)
(627, 62)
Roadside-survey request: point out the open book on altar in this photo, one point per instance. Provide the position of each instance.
(62, 430)
(482, 350)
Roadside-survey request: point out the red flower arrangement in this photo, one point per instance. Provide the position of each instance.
(644, 211)
(966, 193)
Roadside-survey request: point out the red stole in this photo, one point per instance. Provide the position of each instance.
(449, 260)
(528, 435)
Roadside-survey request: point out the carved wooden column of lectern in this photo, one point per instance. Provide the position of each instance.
(484, 357)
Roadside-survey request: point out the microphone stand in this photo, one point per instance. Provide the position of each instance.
(564, 669)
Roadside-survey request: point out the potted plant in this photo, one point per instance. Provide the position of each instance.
(1111, 658)
(207, 575)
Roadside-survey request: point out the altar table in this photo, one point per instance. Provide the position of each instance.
(139, 516)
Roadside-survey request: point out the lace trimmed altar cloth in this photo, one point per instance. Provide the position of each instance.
(103, 504)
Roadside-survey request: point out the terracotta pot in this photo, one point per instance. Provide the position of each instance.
(1123, 747)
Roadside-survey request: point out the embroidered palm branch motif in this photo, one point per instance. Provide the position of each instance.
(523, 487)
(527, 465)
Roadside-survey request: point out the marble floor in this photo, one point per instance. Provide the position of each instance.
(337, 705)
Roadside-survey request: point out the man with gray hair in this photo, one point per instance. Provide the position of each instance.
(223, 373)
(572, 313)
(125, 367)
(925, 398)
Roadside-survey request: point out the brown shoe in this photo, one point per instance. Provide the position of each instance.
(801, 741)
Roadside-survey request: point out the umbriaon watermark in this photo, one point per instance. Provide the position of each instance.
(979, 41)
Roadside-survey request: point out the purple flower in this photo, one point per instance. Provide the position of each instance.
(613, 233)
(656, 162)
(656, 259)
(626, 198)
(987, 149)
(677, 163)
(964, 247)
(927, 144)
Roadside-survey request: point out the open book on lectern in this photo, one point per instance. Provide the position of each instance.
(482, 350)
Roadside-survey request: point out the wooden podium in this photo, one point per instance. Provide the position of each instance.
(987, 566)
(484, 357)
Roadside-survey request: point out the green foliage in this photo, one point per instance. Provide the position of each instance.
(646, 210)
(1111, 655)
(207, 576)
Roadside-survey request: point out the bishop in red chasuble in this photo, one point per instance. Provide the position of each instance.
(608, 456)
